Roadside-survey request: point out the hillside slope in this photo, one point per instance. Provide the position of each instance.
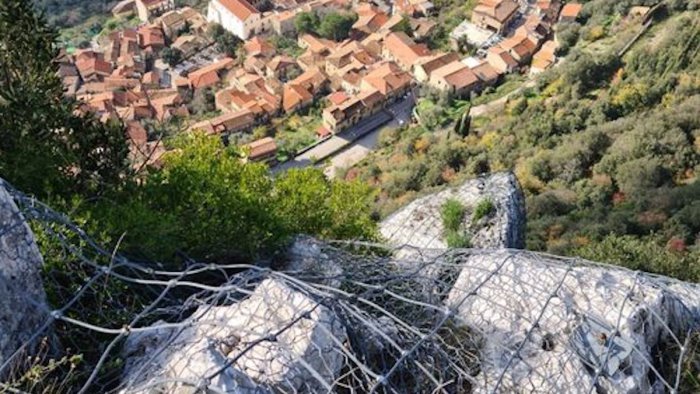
(606, 148)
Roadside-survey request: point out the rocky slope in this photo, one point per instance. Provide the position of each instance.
(330, 319)
(419, 224)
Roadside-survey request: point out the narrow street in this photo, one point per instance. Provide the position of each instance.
(351, 146)
(359, 135)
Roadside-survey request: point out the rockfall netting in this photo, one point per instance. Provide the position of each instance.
(345, 317)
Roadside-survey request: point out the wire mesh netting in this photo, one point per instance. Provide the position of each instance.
(344, 317)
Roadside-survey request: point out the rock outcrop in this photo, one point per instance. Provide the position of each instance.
(23, 308)
(276, 340)
(549, 325)
(307, 260)
(419, 224)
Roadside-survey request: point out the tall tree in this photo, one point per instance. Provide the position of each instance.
(306, 22)
(336, 26)
(46, 146)
(226, 41)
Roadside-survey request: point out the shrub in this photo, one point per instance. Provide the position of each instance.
(452, 213)
(456, 239)
(206, 204)
(484, 208)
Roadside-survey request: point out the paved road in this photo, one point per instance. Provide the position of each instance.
(350, 147)
(359, 134)
(362, 147)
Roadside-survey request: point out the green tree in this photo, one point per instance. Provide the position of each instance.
(336, 26)
(403, 26)
(643, 254)
(46, 147)
(203, 101)
(306, 22)
(172, 56)
(463, 123)
(226, 42)
(205, 203)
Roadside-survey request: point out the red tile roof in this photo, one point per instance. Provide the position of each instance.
(93, 66)
(208, 75)
(458, 75)
(500, 10)
(486, 72)
(258, 46)
(404, 49)
(295, 95)
(571, 10)
(240, 8)
(261, 148)
(388, 78)
(337, 98)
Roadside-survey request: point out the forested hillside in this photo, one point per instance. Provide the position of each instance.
(607, 148)
(66, 13)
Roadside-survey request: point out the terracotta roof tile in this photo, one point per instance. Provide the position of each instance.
(571, 10)
(295, 95)
(258, 46)
(261, 148)
(240, 8)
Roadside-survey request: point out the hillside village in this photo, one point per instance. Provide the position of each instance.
(130, 74)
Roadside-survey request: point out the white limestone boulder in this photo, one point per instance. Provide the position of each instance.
(276, 340)
(419, 224)
(308, 260)
(549, 325)
(23, 308)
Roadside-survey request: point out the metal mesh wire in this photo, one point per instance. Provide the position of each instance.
(349, 317)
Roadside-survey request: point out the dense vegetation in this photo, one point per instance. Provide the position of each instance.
(606, 148)
(45, 147)
(65, 13)
(226, 42)
(333, 26)
(203, 203)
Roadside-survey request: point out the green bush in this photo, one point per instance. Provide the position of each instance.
(204, 203)
(484, 208)
(456, 239)
(452, 213)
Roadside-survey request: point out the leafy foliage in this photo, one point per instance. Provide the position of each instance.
(65, 13)
(70, 153)
(603, 146)
(172, 56)
(644, 254)
(306, 22)
(403, 26)
(333, 26)
(336, 25)
(226, 42)
(204, 203)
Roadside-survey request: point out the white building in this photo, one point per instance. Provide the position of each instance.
(236, 16)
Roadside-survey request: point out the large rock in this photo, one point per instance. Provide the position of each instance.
(307, 259)
(549, 325)
(419, 224)
(277, 339)
(23, 308)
